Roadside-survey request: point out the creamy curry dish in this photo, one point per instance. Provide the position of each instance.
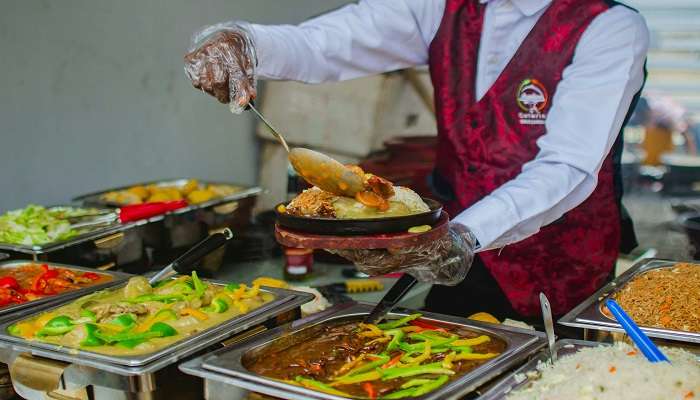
(139, 318)
(403, 358)
(379, 199)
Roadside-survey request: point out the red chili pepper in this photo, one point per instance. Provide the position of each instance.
(91, 275)
(393, 361)
(52, 273)
(426, 325)
(371, 392)
(9, 282)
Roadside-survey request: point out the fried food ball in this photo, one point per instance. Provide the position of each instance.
(200, 196)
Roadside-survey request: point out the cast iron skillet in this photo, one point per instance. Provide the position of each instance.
(367, 226)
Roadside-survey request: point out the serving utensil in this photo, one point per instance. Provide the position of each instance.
(548, 326)
(317, 168)
(184, 263)
(647, 347)
(391, 298)
(130, 213)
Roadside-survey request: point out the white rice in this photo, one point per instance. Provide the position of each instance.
(614, 372)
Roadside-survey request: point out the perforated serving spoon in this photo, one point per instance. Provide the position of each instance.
(317, 168)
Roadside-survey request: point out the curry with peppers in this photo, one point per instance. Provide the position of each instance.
(140, 318)
(34, 281)
(403, 358)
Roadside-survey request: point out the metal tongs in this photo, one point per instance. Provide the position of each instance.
(185, 263)
(389, 301)
(124, 214)
(317, 168)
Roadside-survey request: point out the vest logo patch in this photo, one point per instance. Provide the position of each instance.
(532, 99)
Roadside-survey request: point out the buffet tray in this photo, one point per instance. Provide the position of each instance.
(91, 235)
(117, 278)
(95, 199)
(226, 366)
(589, 314)
(519, 379)
(285, 300)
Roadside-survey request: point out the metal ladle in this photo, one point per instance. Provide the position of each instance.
(317, 168)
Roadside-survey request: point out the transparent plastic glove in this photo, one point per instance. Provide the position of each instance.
(221, 61)
(445, 261)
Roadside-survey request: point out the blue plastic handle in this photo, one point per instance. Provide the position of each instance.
(648, 348)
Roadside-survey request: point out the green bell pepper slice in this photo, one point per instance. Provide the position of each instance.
(91, 339)
(126, 321)
(166, 314)
(57, 326)
(232, 287)
(396, 338)
(415, 390)
(218, 305)
(163, 329)
(159, 329)
(381, 359)
(162, 298)
(199, 286)
(403, 372)
(320, 386)
(399, 322)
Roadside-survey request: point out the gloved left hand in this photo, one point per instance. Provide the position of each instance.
(445, 261)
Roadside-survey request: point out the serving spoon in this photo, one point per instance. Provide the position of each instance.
(317, 168)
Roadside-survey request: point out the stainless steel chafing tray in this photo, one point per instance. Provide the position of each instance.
(117, 278)
(153, 376)
(96, 199)
(589, 314)
(107, 244)
(281, 296)
(224, 370)
(519, 379)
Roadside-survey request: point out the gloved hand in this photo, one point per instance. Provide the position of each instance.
(221, 61)
(445, 261)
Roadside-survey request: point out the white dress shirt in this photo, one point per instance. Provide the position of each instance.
(587, 110)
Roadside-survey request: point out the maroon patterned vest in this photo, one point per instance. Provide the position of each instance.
(484, 144)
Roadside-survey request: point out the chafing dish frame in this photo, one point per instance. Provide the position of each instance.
(589, 315)
(94, 359)
(9, 312)
(512, 381)
(225, 366)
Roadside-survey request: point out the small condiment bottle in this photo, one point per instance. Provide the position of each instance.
(298, 263)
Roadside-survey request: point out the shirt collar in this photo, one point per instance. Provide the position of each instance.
(527, 7)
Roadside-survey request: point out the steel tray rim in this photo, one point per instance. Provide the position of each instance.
(282, 296)
(587, 315)
(9, 311)
(520, 345)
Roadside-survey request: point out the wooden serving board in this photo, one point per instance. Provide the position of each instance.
(290, 238)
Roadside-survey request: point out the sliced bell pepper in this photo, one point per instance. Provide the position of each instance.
(57, 326)
(162, 298)
(378, 361)
(426, 325)
(475, 356)
(357, 378)
(232, 287)
(125, 321)
(397, 335)
(164, 329)
(90, 338)
(370, 390)
(472, 342)
(417, 360)
(92, 276)
(195, 313)
(421, 345)
(402, 372)
(320, 386)
(415, 382)
(85, 313)
(447, 361)
(199, 286)
(218, 305)
(9, 282)
(399, 322)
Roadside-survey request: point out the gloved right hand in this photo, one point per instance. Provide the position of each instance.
(221, 62)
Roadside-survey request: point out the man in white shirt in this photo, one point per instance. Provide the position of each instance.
(531, 96)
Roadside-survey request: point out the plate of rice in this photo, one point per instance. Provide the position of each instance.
(596, 371)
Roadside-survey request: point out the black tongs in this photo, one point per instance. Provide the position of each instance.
(393, 297)
(185, 263)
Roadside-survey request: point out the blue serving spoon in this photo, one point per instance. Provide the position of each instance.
(648, 348)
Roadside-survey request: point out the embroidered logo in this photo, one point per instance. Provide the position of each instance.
(532, 99)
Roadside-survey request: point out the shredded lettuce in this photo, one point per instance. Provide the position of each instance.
(35, 225)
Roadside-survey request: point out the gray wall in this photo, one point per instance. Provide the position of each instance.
(93, 95)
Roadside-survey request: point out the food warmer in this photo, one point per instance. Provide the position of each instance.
(41, 369)
(598, 326)
(169, 233)
(226, 375)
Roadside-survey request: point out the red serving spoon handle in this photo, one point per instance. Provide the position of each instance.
(136, 212)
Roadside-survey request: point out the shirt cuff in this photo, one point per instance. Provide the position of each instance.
(488, 219)
(265, 44)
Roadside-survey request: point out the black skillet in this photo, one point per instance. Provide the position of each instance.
(366, 226)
